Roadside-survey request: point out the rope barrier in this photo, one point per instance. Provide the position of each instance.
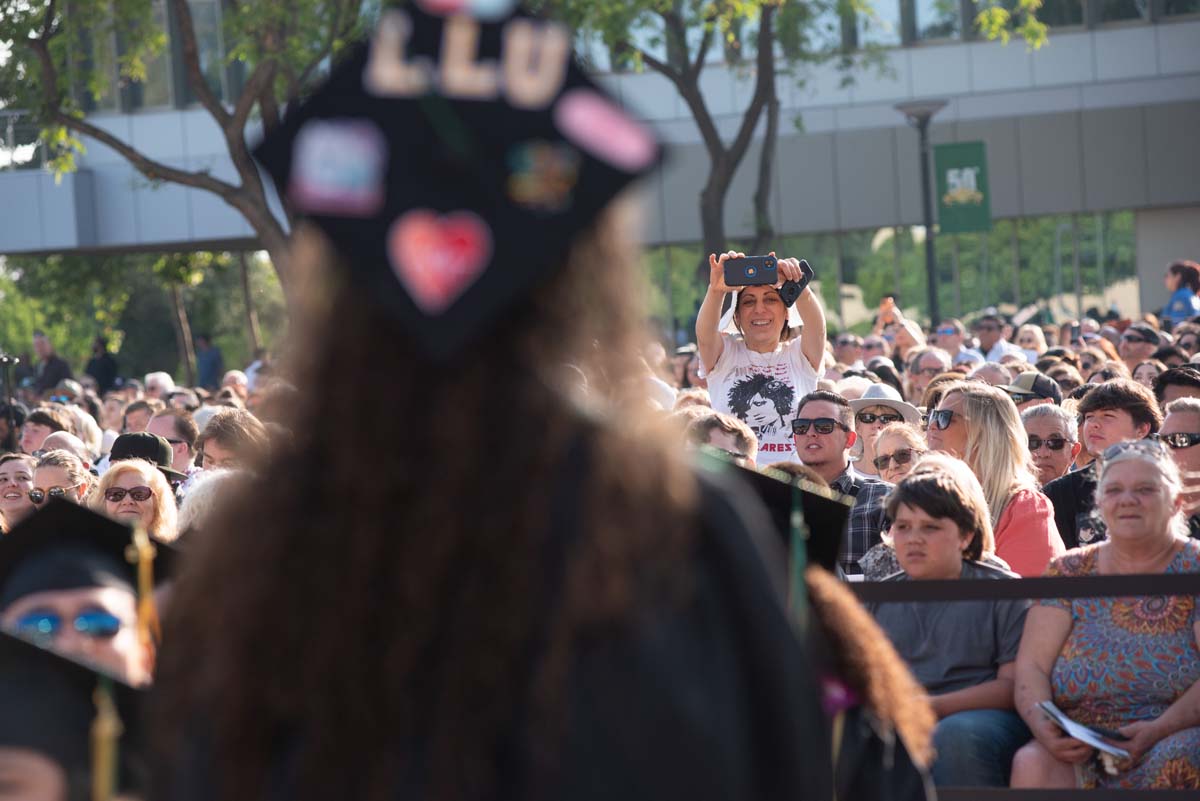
(1030, 588)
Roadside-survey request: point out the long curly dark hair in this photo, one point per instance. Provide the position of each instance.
(381, 592)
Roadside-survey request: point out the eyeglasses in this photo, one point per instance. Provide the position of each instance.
(869, 418)
(95, 623)
(822, 425)
(872, 346)
(848, 343)
(1179, 440)
(38, 496)
(901, 456)
(117, 494)
(1053, 443)
(941, 418)
(987, 327)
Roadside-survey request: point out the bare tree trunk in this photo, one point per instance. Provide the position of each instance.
(183, 332)
(252, 334)
(764, 231)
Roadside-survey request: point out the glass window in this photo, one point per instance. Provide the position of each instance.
(104, 88)
(1173, 7)
(1116, 10)
(1061, 13)
(206, 20)
(156, 89)
(883, 28)
(937, 19)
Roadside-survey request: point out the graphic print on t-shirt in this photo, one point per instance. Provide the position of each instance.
(765, 404)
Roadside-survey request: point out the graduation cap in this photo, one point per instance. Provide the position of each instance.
(64, 546)
(83, 720)
(823, 513)
(452, 160)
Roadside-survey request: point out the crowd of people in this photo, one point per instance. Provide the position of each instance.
(995, 453)
(477, 540)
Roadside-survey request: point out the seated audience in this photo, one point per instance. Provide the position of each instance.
(725, 433)
(961, 652)
(233, 438)
(60, 474)
(878, 407)
(1130, 665)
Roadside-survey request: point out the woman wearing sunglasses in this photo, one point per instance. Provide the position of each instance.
(60, 474)
(980, 425)
(133, 491)
(879, 406)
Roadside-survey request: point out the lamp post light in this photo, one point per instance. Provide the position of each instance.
(918, 113)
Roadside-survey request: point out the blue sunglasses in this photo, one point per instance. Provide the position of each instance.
(95, 623)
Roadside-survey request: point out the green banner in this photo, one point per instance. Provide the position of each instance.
(962, 188)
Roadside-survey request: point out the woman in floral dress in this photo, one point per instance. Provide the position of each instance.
(1130, 665)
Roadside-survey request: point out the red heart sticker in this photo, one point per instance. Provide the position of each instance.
(438, 257)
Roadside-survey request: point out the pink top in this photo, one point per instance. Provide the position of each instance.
(1026, 536)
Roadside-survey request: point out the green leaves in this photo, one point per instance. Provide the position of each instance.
(999, 19)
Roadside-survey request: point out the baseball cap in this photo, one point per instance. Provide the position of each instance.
(1037, 384)
(149, 447)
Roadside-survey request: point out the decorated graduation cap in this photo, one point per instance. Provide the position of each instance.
(83, 720)
(452, 159)
(65, 547)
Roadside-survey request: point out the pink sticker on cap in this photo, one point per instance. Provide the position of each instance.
(600, 127)
(437, 257)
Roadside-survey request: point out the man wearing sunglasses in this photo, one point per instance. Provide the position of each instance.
(951, 337)
(1116, 411)
(1180, 432)
(992, 344)
(823, 432)
(1053, 440)
(848, 350)
(1137, 344)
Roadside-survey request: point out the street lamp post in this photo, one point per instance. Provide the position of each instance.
(918, 113)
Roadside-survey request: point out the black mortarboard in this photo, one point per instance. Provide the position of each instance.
(453, 159)
(84, 720)
(825, 513)
(64, 546)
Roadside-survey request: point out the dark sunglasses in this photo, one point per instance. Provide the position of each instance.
(843, 343)
(822, 425)
(869, 418)
(941, 419)
(1053, 443)
(987, 328)
(95, 623)
(1179, 440)
(902, 456)
(117, 494)
(1136, 338)
(946, 332)
(37, 496)
(872, 346)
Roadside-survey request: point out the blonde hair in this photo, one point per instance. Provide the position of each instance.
(162, 524)
(204, 496)
(1037, 333)
(73, 465)
(996, 448)
(945, 487)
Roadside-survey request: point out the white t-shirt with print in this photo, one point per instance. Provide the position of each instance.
(762, 390)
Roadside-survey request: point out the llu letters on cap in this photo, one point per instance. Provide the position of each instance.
(452, 159)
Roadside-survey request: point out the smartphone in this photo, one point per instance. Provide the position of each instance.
(1075, 333)
(752, 271)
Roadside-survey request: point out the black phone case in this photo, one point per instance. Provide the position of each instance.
(751, 271)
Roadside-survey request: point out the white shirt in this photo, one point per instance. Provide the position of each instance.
(1001, 349)
(762, 390)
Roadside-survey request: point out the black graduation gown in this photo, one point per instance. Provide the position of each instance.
(715, 699)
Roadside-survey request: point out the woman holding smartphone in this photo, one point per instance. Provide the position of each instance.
(759, 371)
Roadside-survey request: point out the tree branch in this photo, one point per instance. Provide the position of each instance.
(702, 50)
(191, 60)
(335, 30)
(764, 85)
